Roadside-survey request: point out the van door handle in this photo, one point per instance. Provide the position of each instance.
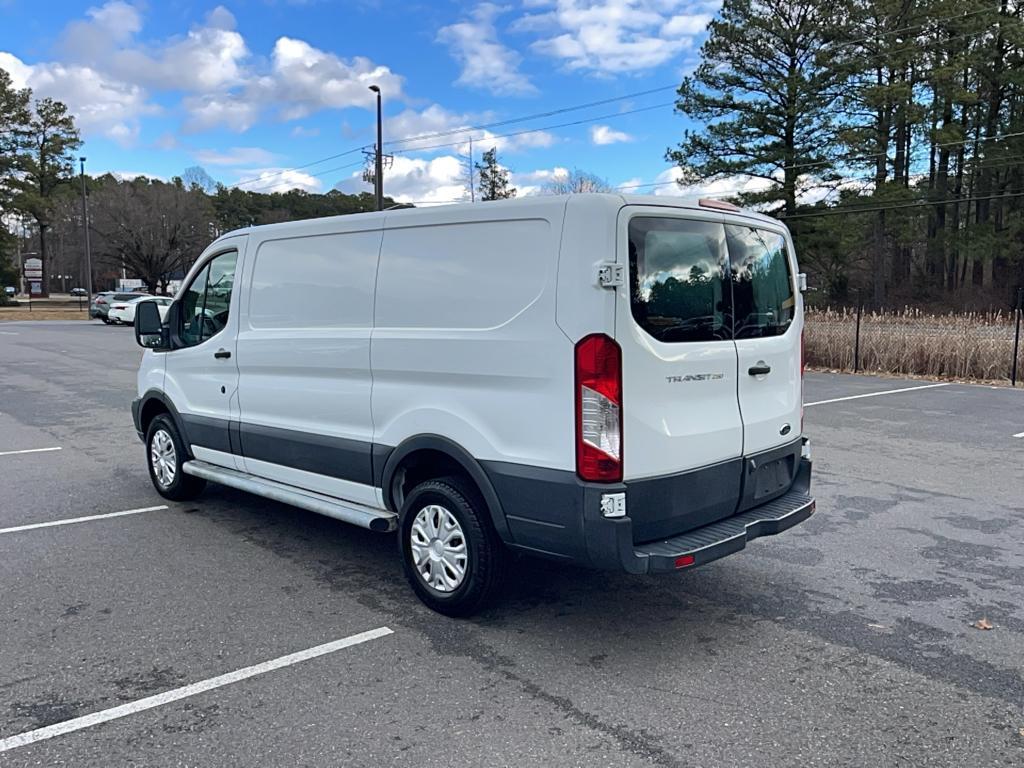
(759, 370)
(222, 354)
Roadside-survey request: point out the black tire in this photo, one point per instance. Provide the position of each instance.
(181, 487)
(485, 554)
(105, 319)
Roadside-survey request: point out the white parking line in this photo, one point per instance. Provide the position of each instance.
(176, 694)
(1019, 434)
(29, 450)
(71, 520)
(876, 394)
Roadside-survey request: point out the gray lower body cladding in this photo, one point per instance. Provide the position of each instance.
(707, 512)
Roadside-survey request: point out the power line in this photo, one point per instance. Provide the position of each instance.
(610, 116)
(897, 206)
(535, 116)
(436, 134)
(317, 174)
(297, 168)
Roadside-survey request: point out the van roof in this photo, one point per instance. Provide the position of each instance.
(535, 202)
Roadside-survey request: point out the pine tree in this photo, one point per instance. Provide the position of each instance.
(765, 99)
(45, 163)
(494, 181)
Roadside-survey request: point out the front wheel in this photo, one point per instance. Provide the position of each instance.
(166, 455)
(451, 554)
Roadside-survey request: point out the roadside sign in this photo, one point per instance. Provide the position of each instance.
(33, 269)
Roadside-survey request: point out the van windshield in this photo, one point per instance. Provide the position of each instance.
(703, 281)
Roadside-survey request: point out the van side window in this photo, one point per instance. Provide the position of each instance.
(764, 302)
(205, 304)
(678, 279)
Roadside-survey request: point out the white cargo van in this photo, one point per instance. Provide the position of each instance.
(607, 380)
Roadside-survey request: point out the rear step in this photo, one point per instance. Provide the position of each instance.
(726, 536)
(381, 520)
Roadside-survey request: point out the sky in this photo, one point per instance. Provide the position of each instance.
(273, 94)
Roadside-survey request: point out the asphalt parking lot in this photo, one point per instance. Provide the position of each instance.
(846, 641)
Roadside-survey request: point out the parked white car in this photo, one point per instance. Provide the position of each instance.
(124, 311)
(614, 381)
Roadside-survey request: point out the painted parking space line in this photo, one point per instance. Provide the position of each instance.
(877, 394)
(88, 518)
(177, 694)
(1019, 434)
(30, 450)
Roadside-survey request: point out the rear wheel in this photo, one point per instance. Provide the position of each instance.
(451, 555)
(166, 454)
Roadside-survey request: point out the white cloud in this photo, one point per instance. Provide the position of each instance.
(269, 180)
(436, 119)
(107, 70)
(810, 191)
(486, 62)
(419, 180)
(237, 156)
(304, 79)
(533, 182)
(602, 134)
(609, 36)
(301, 132)
(132, 175)
(99, 104)
(228, 110)
(210, 56)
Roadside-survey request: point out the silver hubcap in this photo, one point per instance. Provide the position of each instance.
(163, 458)
(438, 548)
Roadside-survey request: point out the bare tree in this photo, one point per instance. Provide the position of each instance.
(152, 229)
(577, 182)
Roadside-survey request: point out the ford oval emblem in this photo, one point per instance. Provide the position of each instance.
(785, 429)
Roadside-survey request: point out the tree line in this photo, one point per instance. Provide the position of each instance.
(888, 135)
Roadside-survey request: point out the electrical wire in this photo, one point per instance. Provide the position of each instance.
(319, 173)
(898, 206)
(542, 128)
(527, 118)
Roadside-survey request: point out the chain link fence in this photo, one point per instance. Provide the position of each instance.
(981, 346)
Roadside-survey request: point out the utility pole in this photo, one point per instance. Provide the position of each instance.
(378, 174)
(85, 223)
(472, 184)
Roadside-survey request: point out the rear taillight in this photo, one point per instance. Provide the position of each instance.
(599, 409)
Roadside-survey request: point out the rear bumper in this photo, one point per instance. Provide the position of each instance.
(556, 515)
(727, 536)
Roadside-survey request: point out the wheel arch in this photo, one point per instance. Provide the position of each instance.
(152, 404)
(443, 453)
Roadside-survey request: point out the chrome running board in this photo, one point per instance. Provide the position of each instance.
(375, 519)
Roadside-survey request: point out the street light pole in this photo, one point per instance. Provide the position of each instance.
(85, 223)
(378, 171)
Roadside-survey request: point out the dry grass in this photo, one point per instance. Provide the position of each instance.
(972, 345)
(20, 312)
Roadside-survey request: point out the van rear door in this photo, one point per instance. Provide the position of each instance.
(767, 326)
(682, 430)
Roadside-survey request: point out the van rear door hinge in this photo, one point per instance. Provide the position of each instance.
(610, 275)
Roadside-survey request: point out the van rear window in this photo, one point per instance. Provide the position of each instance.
(696, 280)
(764, 302)
(678, 272)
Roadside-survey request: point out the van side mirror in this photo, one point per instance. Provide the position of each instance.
(149, 329)
(801, 282)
